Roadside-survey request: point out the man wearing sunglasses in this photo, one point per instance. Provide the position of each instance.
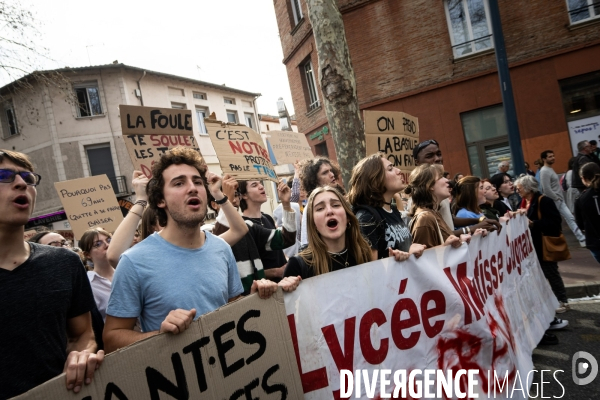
(45, 322)
(429, 152)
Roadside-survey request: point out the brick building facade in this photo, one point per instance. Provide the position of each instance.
(435, 60)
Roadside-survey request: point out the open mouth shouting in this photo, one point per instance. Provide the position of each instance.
(332, 223)
(21, 202)
(194, 203)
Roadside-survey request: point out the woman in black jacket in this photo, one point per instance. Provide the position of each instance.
(504, 186)
(549, 225)
(587, 208)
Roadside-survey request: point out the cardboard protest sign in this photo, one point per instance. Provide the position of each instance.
(289, 146)
(89, 202)
(240, 351)
(240, 150)
(483, 306)
(149, 132)
(393, 133)
(29, 234)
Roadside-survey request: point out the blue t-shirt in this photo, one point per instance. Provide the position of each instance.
(464, 213)
(155, 277)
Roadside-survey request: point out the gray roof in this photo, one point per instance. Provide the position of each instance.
(129, 67)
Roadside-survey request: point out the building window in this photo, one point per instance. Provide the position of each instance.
(176, 92)
(486, 136)
(469, 25)
(311, 87)
(296, 11)
(246, 103)
(583, 10)
(88, 100)
(11, 127)
(199, 96)
(202, 113)
(581, 96)
(321, 149)
(178, 106)
(232, 117)
(101, 162)
(228, 100)
(249, 118)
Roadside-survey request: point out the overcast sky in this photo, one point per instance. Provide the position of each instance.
(235, 42)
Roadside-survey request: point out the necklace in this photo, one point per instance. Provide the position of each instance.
(334, 257)
(260, 220)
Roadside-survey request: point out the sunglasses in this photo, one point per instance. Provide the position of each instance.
(30, 178)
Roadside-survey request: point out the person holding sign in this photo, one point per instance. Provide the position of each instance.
(180, 272)
(46, 299)
(373, 184)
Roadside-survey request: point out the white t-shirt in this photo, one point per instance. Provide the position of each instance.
(101, 288)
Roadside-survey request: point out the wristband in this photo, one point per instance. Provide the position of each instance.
(481, 219)
(133, 212)
(142, 203)
(222, 201)
(464, 231)
(468, 230)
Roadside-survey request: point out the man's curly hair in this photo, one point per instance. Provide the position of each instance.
(309, 173)
(175, 156)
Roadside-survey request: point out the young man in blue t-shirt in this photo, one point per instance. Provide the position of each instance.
(180, 272)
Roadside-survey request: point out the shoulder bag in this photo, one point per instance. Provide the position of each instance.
(555, 247)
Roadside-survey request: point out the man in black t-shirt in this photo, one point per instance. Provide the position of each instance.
(45, 322)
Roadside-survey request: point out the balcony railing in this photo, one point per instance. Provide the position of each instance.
(119, 185)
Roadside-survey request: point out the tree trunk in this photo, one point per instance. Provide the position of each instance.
(337, 84)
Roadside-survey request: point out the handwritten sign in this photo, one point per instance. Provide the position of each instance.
(89, 202)
(395, 134)
(289, 147)
(240, 150)
(148, 132)
(242, 351)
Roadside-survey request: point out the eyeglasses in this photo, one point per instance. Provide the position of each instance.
(99, 243)
(60, 243)
(30, 178)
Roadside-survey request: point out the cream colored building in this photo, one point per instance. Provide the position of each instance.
(271, 123)
(69, 139)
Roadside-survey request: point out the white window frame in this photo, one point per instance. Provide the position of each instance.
(594, 14)
(201, 126)
(199, 95)
(249, 117)
(9, 106)
(232, 112)
(178, 106)
(296, 11)
(311, 86)
(229, 100)
(470, 42)
(90, 85)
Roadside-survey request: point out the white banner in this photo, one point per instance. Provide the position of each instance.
(481, 307)
(583, 129)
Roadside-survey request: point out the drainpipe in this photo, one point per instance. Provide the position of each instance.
(140, 87)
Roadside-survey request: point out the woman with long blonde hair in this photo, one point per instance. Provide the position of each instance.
(334, 238)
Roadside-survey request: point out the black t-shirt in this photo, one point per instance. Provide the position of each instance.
(270, 258)
(297, 266)
(36, 300)
(389, 230)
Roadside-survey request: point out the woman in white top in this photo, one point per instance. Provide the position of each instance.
(94, 244)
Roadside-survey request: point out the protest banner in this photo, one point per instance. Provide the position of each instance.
(240, 150)
(148, 132)
(289, 147)
(483, 307)
(395, 134)
(89, 202)
(241, 351)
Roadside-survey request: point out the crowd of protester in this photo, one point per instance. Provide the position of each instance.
(163, 267)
